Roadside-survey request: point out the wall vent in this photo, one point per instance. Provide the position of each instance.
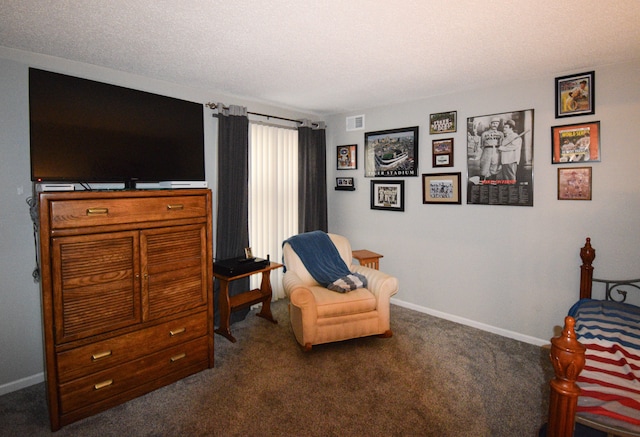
(355, 123)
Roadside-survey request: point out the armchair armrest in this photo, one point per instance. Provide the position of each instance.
(302, 309)
(297, 291)
(381, 284)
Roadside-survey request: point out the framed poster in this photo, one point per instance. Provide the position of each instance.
(442, 122)
(346, 157)
(575, 143)
(442, 151)
(441, 188)
(576, 94)
(574, 183)
(387, 195)
(500, 159)
(391, 153)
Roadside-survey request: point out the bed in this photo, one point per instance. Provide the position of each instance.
(596, 360)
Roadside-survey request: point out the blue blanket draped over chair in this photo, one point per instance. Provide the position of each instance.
(323, 262)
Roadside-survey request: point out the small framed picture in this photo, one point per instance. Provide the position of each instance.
(576, 95)
(248, 253)
(442, 152)
(442, 122)
(441, 188)
(574, 183)
(575, 143)
(387, 195)
(347, 157)
(345, 184)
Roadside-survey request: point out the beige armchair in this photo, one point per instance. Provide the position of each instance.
(319, 315)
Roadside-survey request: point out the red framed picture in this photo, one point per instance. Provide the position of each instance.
(575, 143)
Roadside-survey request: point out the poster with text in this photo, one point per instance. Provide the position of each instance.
(500, 159)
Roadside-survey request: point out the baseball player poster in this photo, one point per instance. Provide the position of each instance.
(500, 159)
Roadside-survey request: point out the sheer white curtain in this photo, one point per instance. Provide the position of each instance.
(273, 194)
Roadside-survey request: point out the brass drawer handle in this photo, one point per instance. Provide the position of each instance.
(100, 355)
(175, 207)
(175, 332)
(178, 357)
(103, 384)
(97, 211)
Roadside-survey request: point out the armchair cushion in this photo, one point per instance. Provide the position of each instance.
(357, 301)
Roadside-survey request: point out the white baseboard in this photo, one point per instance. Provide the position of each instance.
(21, 383)
(472, 323)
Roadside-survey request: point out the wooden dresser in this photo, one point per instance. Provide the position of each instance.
(127, 294)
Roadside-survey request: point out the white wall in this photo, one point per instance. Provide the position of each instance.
(21, 349)
(507, 269)
(20, 327)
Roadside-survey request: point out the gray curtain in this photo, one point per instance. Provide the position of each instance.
(312, 177)
(232, 222)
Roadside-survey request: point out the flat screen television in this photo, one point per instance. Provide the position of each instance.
(85, 131)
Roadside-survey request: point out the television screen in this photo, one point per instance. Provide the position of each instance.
(87, 131)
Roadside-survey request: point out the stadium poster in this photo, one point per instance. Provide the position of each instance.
(391, 153)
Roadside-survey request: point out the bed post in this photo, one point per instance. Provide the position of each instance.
(588, 254)
(567, 357)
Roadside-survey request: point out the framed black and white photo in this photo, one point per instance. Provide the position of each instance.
(387, 195)
(345, 184)
(441, 188)
(391, 153)
(576, 94)
(346, 157)
(500, 159)
(442, 122)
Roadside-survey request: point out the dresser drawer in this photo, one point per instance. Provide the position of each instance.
(115, 381)
(100, 211)
(105, 354)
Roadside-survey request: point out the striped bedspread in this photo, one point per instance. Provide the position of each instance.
(610, 381)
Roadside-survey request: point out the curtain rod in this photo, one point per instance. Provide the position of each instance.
(215, 105)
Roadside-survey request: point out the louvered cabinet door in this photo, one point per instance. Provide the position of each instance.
(95, 284)
(174, 269)
(127, 294)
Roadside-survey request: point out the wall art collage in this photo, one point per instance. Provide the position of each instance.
(499, 154)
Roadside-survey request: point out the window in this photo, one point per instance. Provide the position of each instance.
(273, 194)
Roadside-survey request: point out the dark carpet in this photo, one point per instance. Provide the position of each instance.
(432, 378)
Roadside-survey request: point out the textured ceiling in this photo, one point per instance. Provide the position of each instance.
(329, 56)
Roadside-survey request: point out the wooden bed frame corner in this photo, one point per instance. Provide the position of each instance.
(588, 254)
(567, 356)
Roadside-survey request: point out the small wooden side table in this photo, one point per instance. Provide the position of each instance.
(367, 258)
(243, 300)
